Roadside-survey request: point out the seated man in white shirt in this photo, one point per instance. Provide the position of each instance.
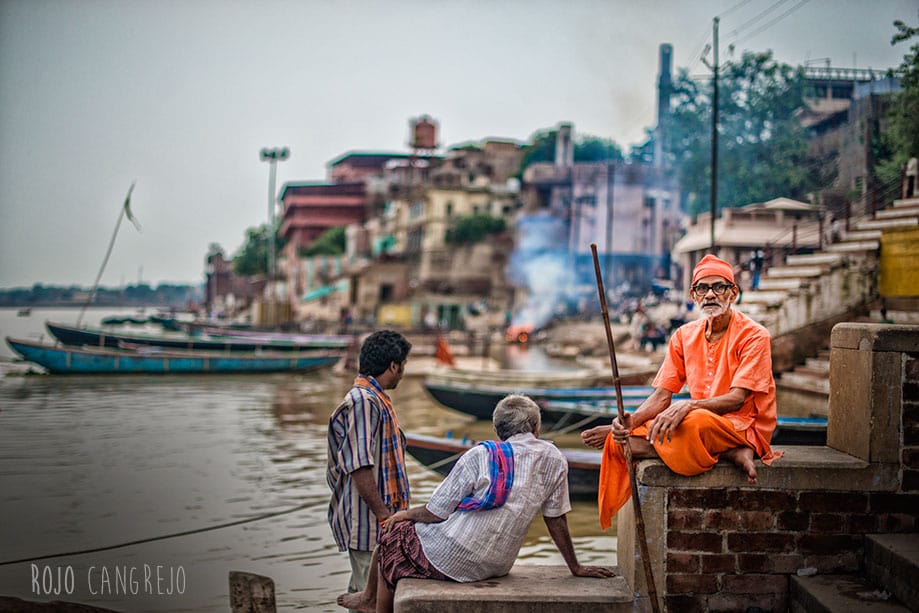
(477, 519)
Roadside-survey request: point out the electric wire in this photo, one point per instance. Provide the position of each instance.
(774, 21)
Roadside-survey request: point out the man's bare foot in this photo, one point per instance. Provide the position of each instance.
(743, 457)
(356, 601)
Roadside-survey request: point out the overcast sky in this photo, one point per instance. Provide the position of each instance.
(181, 96)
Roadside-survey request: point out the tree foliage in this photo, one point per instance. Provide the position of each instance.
(252, 257)
(331, 242)
(900, 140)
(762, 147)
(587, 148)
(473, 228)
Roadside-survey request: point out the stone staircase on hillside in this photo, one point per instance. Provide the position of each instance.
(889, 582)
(817, 286)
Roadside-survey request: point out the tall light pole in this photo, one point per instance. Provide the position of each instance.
(272, 156)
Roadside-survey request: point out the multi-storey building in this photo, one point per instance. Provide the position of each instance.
(629, 210)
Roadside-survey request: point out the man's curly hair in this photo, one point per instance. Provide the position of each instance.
(381, 349)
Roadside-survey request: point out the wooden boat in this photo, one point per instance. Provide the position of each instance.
(577, 416)
(156, 360)
(24, 312)
(582, 377)
(332, 340)
(479, 400)
(78, 337)
(440, 454)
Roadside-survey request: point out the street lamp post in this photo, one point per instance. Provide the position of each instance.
(272, 156)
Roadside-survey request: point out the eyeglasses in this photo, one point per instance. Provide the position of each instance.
(701, 289)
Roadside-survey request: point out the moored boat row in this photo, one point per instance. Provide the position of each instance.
(92, 350)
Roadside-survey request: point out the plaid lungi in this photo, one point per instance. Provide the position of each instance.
(401, 556)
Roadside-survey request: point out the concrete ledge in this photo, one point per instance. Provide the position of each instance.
(527, 589)
(874, 337)
(801, 468)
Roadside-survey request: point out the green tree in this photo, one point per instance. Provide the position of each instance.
(595, 149)
(252, 256)
(331, 242)
(900, 140)
(587, 148)
(473, 228)
(762, 147)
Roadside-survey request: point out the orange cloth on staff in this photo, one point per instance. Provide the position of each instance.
(742, 358)
(694, 449)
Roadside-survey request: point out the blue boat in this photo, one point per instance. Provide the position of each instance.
(577, 416)
(155, 360)
(480, 400)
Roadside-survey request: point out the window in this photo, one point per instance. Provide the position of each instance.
(413, 241)
(449, 209)
(416, 210)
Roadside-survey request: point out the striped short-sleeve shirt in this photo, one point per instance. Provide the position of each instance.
(353, 442)
(476, 545)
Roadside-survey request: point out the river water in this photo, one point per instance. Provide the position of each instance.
(92, 461)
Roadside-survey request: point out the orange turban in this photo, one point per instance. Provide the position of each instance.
(712, 266)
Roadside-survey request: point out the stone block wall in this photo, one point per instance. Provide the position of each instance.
(733, 548)
(718, 544)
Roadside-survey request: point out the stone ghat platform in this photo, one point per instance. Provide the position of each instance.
(527, 589)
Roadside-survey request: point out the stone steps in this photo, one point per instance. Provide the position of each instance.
(815, 382)
(838, 594)
(796, 272)
(821, 365)
(906, 202)
(861, 235)
(890, 583)
(769, 284)
(853, 247)
(892, 562)
(887, 224)
(763, 298)
(821, 258)
(808, 371)
(897, 317)
(897, 211)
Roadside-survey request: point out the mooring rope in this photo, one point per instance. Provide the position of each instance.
(163, 537)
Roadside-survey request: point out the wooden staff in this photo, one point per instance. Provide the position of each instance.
(636, 505)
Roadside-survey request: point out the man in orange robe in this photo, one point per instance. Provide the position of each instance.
(725, 360)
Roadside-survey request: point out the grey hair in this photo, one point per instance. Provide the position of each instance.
(515, 414)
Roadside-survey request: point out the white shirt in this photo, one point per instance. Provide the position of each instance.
(476, 545)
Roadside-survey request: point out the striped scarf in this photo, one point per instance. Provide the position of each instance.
(393, 481)
(501, 472)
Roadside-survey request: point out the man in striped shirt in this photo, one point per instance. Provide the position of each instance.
(477, 518)
(366, 453)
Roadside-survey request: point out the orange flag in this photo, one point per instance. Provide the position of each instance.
(444, 355)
